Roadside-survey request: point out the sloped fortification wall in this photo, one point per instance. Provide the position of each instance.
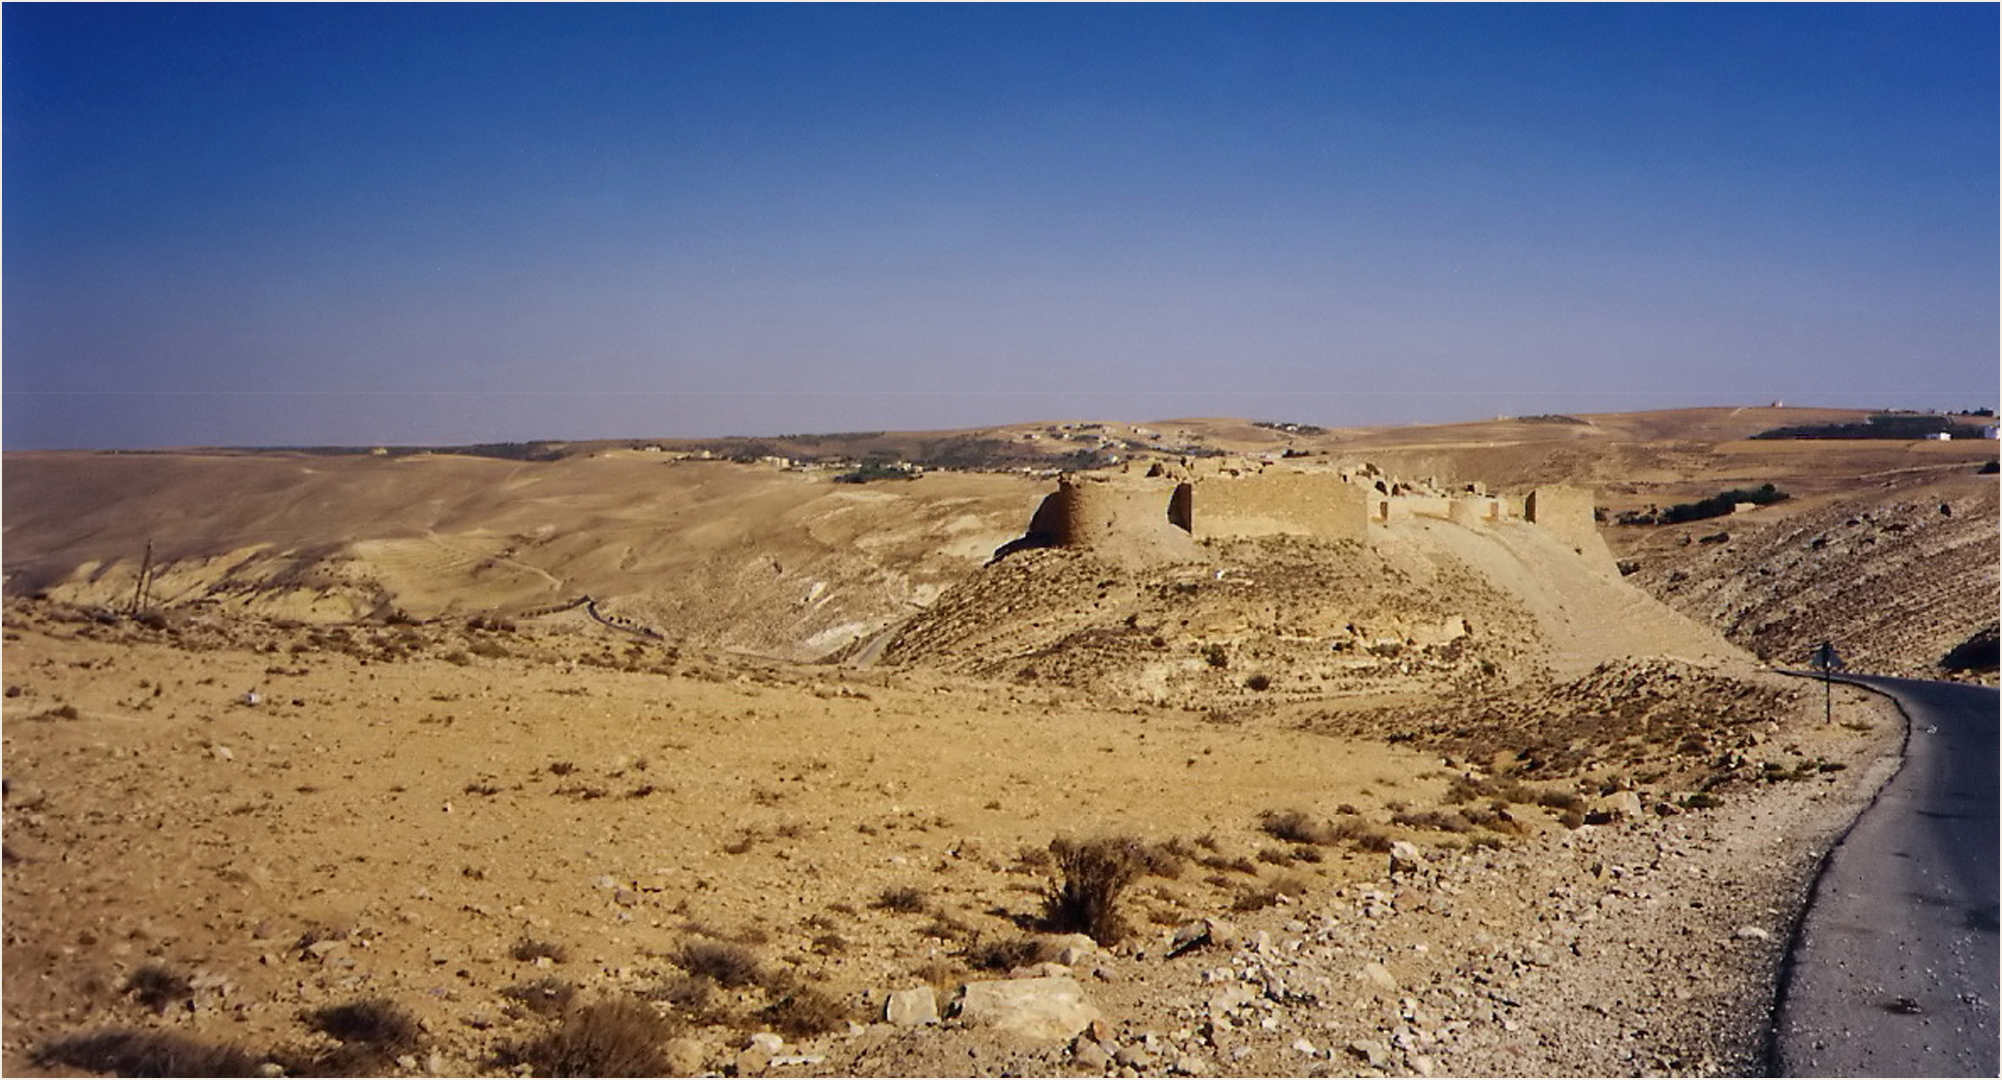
(1273, 503)
(1566, 514)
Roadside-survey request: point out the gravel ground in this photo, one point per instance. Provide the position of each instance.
(1638, 948)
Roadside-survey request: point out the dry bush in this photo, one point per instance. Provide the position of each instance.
(1009, 954)
(1032, 860)
(726, 965)
(945, 928)
(689, 995)
(1235, 863)
(1275, 857)
(377, 1022)
(1289, 885)
(159, 986)
(1296, 827)
(1085, 899)
(1443, 821)
(619, 1037)
(529, 949)
(799, 1010)
(546, 996)
(829, 944)
(562, 768)
(1559, 800)
(1162, 860)
(126, 1052)
(907, 899)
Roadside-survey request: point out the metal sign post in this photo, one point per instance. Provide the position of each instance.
(1825, 661)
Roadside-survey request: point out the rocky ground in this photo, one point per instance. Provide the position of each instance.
(488, 827)
(1896, 576)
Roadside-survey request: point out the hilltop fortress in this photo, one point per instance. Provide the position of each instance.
(1161, 516)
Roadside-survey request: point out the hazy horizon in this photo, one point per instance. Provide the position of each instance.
(257, 225)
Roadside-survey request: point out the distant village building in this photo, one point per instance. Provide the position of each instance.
(1988, 432)
(1940, 436)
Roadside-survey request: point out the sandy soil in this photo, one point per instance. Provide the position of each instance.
(417, 811)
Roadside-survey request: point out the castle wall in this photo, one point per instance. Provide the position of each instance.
(1278, 503)
(1566, 514)
(1118, 516)
(1471, 512)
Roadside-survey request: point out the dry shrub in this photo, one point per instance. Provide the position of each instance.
(1296, 827)
(1235, 863)
(529, 949)
(907, 899)
(1162, 860)
(726, 965)
(1559, 800)
(159, 986)
(1085, 899)
(1031, 860)
(1009, 954)
(799, 1010)
(547, 996)
(689, 995)
(1360, 834)
(829, 944)
(1443, 821)
(945, 928)
(1290, 885)
(619, 1037)
(126, 1052)
(377, 1022)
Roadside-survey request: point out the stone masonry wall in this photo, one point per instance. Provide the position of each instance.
(1275, 503)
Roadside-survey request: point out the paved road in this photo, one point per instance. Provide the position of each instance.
(1894, 970)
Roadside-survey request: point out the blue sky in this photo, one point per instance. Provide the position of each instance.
(307, 224)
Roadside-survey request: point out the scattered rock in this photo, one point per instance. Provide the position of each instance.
(910, 1008)
(1049, 1009)
(1134, 1057)
(1372, 1052)
(1379, 975)
(1089, 1054)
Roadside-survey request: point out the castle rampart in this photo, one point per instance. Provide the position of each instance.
(1272, 503)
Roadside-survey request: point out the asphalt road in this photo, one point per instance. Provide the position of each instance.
(1894, 967)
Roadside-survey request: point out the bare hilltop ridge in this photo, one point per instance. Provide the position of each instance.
(1198, 747)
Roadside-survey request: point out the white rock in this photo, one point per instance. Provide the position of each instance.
(1048, 1009)
(911, 1008)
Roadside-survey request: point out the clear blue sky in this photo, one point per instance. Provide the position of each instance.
(239, 224)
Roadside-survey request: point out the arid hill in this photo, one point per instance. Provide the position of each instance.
(363, 788)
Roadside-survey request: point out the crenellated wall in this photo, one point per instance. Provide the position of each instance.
(1154, 517)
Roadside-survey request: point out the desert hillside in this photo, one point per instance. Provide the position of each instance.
(451, 763)
(775, 562)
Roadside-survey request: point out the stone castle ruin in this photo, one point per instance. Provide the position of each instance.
(1160, 517)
